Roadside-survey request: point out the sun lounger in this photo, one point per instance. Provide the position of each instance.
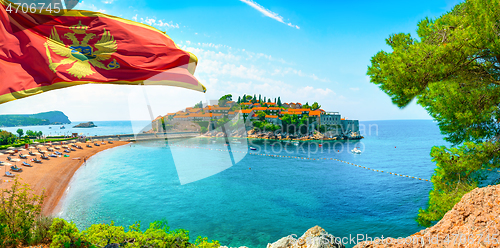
(45, 157)
(96, 144)
(73, 149)
(57, 153)
(40, 151)
(26, 164)
(111, 142)
(79, 147)
(53, 155)
(16, 169)
(89, 146)
(67, 151)
(30, 153)
(8, 174)
(22, 156)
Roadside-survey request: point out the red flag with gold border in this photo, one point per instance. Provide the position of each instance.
(41, 52)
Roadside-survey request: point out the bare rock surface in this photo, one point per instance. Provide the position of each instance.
(316, 237)
(473, 222)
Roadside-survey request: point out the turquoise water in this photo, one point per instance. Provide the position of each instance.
(261, 199)
(103, 128)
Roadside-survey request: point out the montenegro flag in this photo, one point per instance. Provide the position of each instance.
(40, 51)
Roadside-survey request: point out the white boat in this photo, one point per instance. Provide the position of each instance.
(355, 150)
(296, 143)
(253, 148)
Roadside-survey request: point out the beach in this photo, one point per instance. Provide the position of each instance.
(52, 175)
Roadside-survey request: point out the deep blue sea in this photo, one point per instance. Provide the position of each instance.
(259, 199)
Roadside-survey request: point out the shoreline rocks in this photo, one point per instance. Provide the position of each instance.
(315, 237)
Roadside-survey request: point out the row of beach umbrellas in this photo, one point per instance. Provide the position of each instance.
(11, 151)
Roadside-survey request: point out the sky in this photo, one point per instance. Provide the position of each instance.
(301, 51)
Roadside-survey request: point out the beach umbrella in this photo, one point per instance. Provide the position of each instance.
(39, 146)
(65, 146)
(21, 149)
(11, 148)
(6, 165)
(11, 152)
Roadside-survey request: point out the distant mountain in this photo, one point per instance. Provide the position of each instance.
(46, 118)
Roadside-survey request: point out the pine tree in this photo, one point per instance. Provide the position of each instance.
(244, 97)
(260, 98)
(264, 99)
(279, 101)
(239, 100)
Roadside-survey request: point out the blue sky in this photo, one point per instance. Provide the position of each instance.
(299, 50)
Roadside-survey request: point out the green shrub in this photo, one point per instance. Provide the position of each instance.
(64, 234)
(20, 216)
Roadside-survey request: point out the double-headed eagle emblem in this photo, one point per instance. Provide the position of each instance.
(81, 55)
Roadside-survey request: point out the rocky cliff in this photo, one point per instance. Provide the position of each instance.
(473, 222)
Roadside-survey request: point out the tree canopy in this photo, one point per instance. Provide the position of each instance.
(453, 70)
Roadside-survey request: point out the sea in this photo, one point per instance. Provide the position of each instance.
(244, 197)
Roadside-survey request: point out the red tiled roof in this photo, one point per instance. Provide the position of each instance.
(315, 113)
(274, 108)
(246, 103)
(271, 116)
(299, 110)
(260, 108)
(246, 111)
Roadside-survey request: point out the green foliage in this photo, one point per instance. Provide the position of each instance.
(31, 133)
(21, 224)
(222, 121)
(45, 118)
(64, 234)
(20, 216)
(279, 102)
(6, 138)
(459, 170)
(20, 132)
(224, 99)
(199, 105)
(239, 99)
(315, 106)
(453, 71)
(261, 115)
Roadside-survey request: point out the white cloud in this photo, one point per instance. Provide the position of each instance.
(354, 89)
(157, 23)
(84, 6)
(268, 13)
(108, 1)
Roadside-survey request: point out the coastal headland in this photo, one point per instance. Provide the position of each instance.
(54, 175)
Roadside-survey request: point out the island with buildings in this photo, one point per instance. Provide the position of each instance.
(257, 117)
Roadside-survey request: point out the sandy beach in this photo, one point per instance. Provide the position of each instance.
(52, 175)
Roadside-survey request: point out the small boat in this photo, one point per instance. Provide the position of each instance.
(296, 143)
(62, 127)
(253, 148)
(355, 150)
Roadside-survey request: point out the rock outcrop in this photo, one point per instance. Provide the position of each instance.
(315, 237)
(473, 222)
(85, 125)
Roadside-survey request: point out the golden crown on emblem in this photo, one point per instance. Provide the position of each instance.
(79, 28)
